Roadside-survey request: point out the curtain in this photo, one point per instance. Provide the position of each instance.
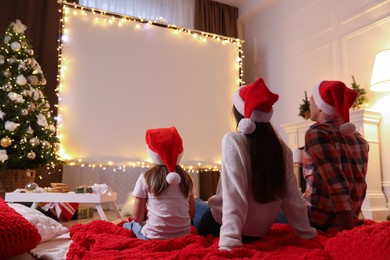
(177, 12)
(214, 17)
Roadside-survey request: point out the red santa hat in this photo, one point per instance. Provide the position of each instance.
(254, 102)
(165, 147)
(335, 98)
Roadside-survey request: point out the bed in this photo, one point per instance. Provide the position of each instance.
(101, 239)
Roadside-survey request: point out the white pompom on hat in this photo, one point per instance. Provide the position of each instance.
(254, 102)
(335, 98)
(165, 147)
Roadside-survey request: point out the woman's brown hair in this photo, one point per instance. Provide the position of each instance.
(267, 161)
(156, 180)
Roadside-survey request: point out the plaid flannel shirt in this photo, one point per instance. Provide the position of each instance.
(335, 168)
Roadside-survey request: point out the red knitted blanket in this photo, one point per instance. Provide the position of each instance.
(104, 240)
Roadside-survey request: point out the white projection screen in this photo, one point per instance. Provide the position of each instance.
(119, 79)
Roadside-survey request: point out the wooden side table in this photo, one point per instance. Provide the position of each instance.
(91, 198)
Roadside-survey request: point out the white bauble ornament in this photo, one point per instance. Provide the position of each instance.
(34, 141)
(46, 144)
(7, 73)
(31, 155)
(21, 80)
(1, 59)
(12, 60)
(15, 46)
(33, 80)
(24, 112)
(30, 51)
(7, 39)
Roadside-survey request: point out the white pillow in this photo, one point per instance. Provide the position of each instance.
(47, 227)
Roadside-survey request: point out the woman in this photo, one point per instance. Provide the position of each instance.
(257, 179)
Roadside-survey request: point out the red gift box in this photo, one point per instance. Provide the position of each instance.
(61, 210)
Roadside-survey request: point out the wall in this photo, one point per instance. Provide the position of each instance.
(297, 43)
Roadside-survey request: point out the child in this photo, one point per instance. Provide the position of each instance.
(164, 191)
(257, 178)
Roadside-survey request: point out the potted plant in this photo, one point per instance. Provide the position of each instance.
(304, 108)
(361, 99)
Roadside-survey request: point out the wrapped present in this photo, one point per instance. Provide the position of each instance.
(60, 210)
(83, 212)
(83, 189)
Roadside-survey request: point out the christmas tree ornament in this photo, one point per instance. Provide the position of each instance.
(2, 114)
(7, 73)
(33, 80)
(10, 126)
(1, 59)
(7, 39)
(43, 82)
(42, 120)
(18, 27)
(3, 155)
(45, 107)
(23, 140)
(31, 186)
(52, 128)
(26, 93)
(27, 61)
(34, 141)
(5, 141)
(21, 80)
(24, 112)
(7, 87)
(30, 52)
(12, 60)
(31, 106)
(31, 155)
(15, 46)
(46, 144)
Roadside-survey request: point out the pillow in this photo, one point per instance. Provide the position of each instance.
(47, 227)
(17, 235)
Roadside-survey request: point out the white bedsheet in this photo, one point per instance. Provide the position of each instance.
(53, 249)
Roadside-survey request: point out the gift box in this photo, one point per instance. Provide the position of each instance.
(83, 212)
(60, 210)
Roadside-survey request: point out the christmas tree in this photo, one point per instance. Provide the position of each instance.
(27, 130)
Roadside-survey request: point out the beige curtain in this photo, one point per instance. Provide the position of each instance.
(214, 17)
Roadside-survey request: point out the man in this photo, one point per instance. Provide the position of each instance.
(335, 159)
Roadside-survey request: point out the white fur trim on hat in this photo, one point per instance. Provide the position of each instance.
(257, 115)
(321, 104)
